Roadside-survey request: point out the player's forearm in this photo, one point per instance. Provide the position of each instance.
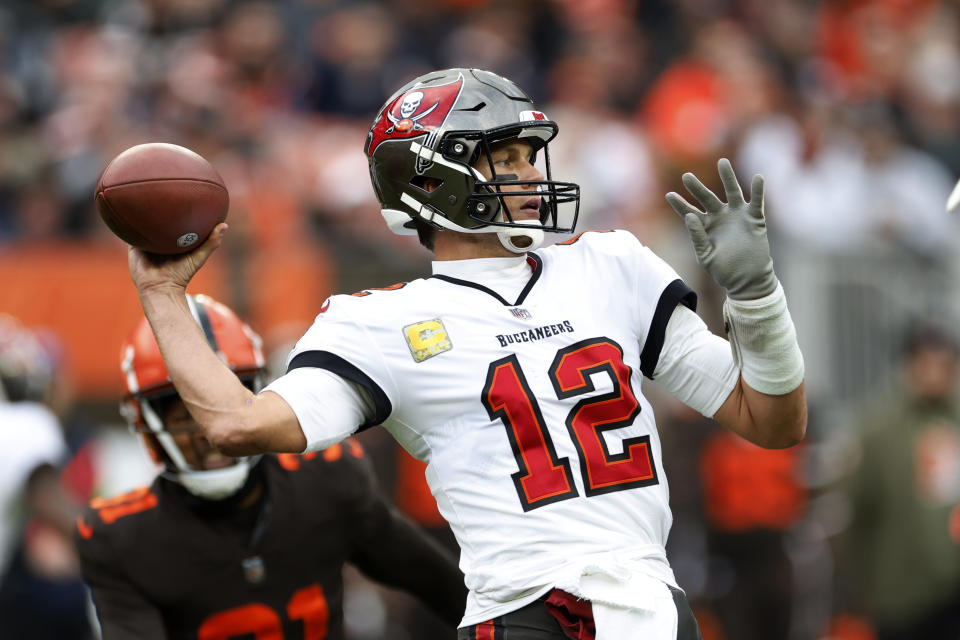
(122, 616)
(769, 421)
(403, 556)
(432, 576)
(215, 397)
(48, 501)
(768, 405)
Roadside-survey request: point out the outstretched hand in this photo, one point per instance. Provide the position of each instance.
(151, 271)
(730, 239)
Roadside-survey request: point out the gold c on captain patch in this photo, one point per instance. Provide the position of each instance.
(427, 339)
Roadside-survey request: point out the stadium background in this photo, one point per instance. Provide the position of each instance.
(851, 109)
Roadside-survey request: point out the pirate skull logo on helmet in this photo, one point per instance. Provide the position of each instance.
(410, 103)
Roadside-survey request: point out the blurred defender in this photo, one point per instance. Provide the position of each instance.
(218, 547)
(514, 371)
(899, 559)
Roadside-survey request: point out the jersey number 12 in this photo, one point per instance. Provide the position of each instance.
(543, 478)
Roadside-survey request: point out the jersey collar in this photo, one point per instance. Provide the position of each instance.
(479, 269)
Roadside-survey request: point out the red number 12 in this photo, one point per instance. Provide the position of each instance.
(543, 478)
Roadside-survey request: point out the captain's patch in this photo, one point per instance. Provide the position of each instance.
(427, 339)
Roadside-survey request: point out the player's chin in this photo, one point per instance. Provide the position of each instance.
(215, 460)
(524, 213)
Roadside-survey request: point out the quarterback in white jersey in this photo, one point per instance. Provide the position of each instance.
(542, 451)
(512, 371)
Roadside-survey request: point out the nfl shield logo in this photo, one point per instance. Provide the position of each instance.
(522, 314)
(253, 569)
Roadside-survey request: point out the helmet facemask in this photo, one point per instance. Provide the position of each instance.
(486, 204)
(490, 203)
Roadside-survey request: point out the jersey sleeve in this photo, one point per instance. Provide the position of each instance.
(695, 365)
(659, 291)
(122, 610)
(653, 289)
(329, 408)
(337, 380)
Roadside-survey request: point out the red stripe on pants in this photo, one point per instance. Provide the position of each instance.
(484, 630)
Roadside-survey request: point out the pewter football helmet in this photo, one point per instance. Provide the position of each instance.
(440, 126)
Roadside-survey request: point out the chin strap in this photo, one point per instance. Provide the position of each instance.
(514, 239)
(521, 240)
(213, 484)
(217, 484)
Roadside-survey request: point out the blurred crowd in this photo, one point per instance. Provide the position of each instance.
(850, 109)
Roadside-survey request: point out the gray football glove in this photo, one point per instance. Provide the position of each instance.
(730, 239)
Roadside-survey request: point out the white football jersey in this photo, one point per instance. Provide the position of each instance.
(541, 448)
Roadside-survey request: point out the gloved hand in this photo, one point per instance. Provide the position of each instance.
(730, 239)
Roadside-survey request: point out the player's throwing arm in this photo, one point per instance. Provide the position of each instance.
(730, 242)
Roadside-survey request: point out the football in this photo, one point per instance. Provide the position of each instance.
(161, 198)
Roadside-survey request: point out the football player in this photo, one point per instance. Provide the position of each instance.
(514, 370)
(41, 594)
(219, 547)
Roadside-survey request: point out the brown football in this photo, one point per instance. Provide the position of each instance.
(161, 198)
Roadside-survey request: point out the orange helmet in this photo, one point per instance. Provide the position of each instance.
(148, 382)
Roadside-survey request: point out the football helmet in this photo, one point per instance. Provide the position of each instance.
(149, 387)
(440, 126)
(26, 366)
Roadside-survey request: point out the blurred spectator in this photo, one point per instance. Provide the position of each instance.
(735, 505)
(31, 432)
(41, 595)
(899, 561)
(356, 53)
(752, 499)
(844, 180)
(931, 91)
(602, 149)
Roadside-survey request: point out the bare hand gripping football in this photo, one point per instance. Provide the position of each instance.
(730, 239)
(152, 271)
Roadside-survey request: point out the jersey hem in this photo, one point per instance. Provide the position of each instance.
(503, 609)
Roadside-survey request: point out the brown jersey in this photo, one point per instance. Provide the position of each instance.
(164, 564)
